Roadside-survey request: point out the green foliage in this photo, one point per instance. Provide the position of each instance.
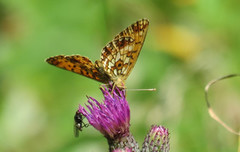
(188, 44)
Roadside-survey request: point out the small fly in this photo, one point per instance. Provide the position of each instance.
(78, 123)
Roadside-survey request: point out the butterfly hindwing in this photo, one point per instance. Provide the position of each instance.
(80, 65)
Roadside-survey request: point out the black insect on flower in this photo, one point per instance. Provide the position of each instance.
(78, 123)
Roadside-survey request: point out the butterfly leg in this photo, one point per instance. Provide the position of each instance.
(113, 87)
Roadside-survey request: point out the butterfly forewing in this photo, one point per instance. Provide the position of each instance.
(80, 65)
(120, 55)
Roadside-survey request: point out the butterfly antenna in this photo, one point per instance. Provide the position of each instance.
(152, 89)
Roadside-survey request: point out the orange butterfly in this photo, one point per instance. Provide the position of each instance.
(118, 57)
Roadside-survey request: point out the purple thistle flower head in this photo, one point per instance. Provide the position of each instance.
(112, 117)
(157, 140)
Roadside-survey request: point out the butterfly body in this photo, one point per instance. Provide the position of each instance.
(117, 60)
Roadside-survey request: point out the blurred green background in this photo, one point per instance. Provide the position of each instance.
(189, 43)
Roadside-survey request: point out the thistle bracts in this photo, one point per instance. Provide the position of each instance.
(157, 140)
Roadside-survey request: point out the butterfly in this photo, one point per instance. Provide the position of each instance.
(117, 60)
(78, 123)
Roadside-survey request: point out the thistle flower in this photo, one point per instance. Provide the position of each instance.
(157, 140)
(111, 118)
